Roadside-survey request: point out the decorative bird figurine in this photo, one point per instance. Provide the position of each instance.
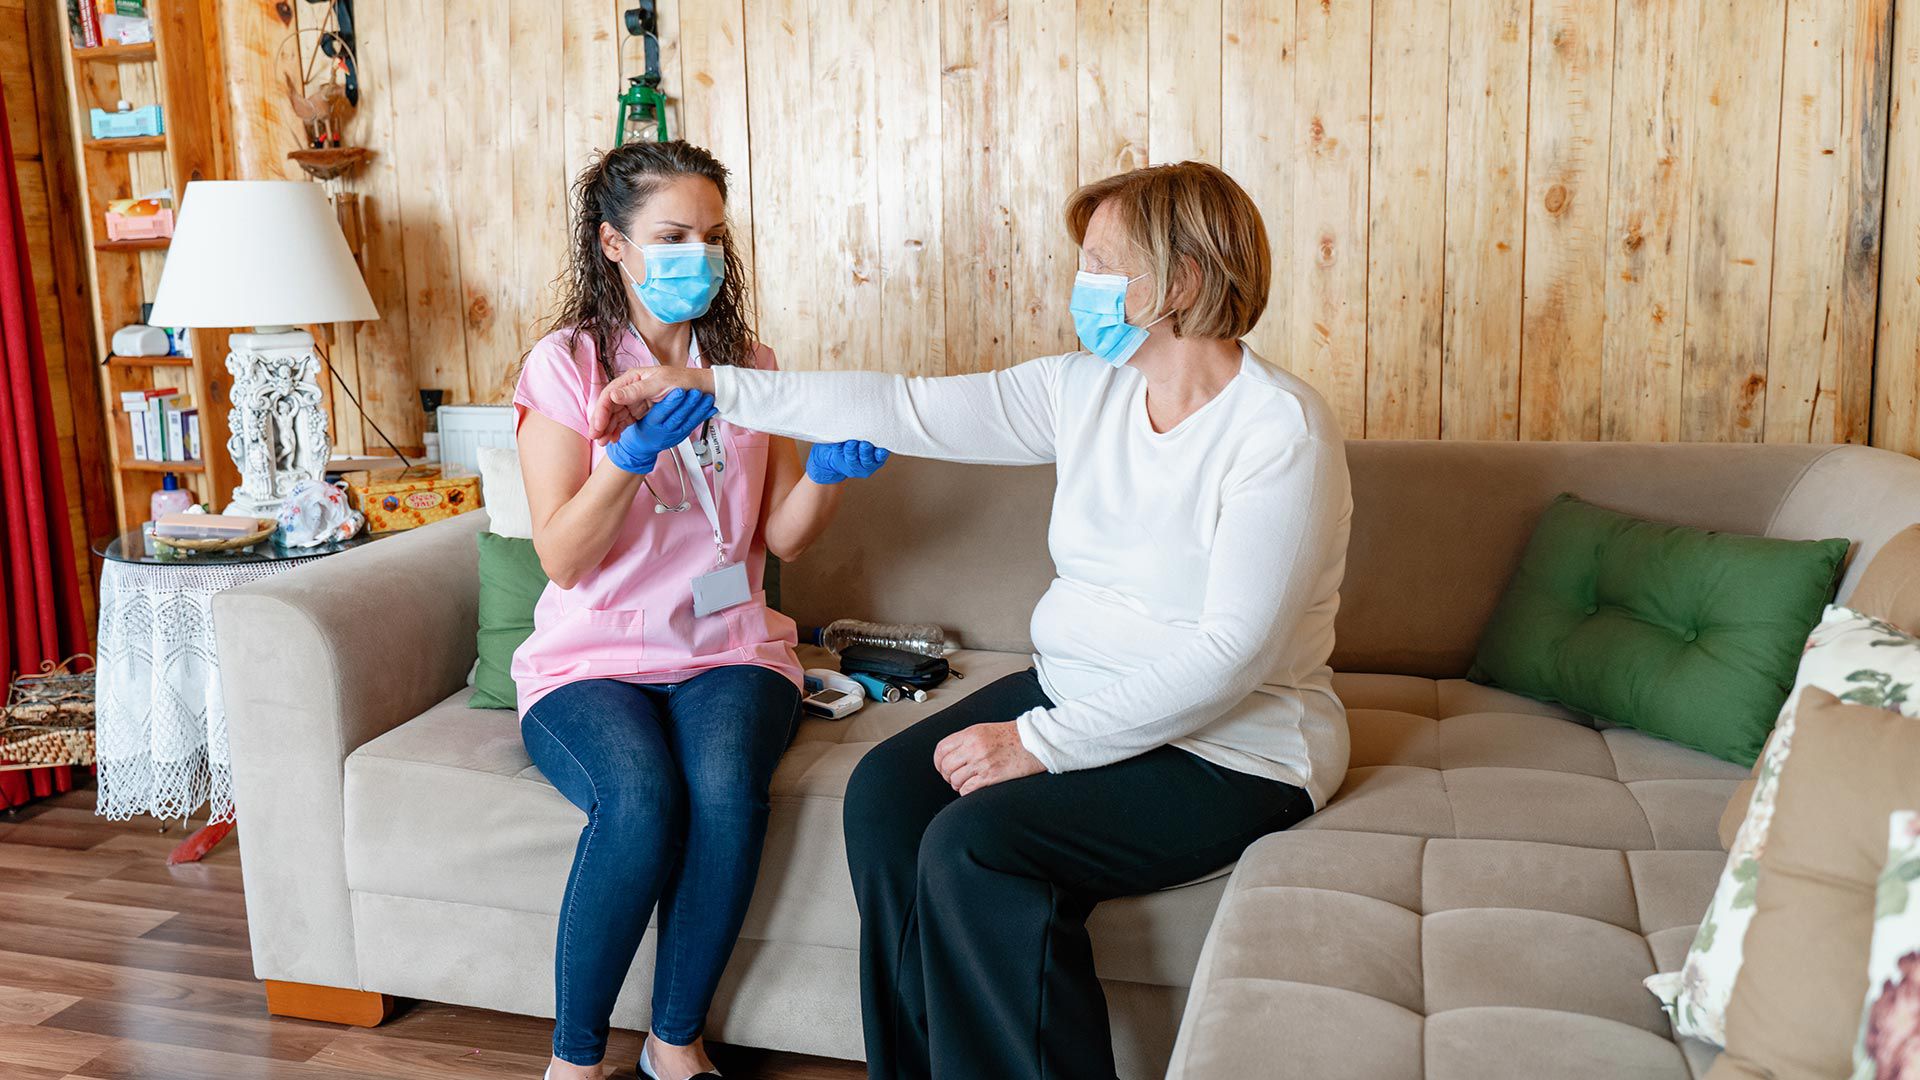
(325, 111)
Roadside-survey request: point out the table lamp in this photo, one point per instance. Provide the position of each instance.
(267, 254)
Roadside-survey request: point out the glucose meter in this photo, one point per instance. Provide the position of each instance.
(831, 694)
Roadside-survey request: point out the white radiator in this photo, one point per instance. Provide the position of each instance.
(464, 429)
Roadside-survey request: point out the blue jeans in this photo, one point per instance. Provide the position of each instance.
(674, 782)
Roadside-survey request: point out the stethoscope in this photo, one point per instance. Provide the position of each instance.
(709, 449)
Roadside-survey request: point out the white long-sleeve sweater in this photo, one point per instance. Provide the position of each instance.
(1198, 569)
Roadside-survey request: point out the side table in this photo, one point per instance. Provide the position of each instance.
(160, 723)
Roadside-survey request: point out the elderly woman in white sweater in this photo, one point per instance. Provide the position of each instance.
(1180, 704)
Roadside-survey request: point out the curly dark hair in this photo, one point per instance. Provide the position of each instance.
(593, 294)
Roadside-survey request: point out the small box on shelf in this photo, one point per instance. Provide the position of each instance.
(125, 121)
(146, 217)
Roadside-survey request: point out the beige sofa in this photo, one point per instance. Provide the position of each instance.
(1481, 899)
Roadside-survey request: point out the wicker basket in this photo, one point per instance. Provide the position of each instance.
(49, 718)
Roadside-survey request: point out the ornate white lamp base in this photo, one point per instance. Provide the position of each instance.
(279, 429)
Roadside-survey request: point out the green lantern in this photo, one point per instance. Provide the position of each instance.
(643, 111)
(643, 108)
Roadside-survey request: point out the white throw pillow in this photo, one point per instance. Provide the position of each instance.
(1890, 1023)
(505, 492)
(1858, 659)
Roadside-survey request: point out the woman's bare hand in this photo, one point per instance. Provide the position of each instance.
(628, 397)
(983, 755)
(608, 416)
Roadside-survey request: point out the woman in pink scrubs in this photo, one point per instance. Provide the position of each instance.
(658, 690)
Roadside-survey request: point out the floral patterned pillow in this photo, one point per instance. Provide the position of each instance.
(1858, 659)
(1889, 1046)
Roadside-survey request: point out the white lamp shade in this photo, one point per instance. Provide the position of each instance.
(258, 253)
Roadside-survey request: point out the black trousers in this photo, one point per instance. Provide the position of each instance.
(974, 955)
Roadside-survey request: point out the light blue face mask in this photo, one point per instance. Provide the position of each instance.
(682, 279)
(1099, 307)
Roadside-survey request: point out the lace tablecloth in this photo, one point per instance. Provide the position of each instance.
(161, 727)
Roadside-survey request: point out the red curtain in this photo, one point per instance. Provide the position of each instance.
(44, 618)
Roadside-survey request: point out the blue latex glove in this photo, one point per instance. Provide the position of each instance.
(830, 463)
(665, 426)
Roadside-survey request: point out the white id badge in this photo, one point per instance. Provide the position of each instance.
(718, 590)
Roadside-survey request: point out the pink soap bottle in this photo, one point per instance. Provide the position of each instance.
(170, 499)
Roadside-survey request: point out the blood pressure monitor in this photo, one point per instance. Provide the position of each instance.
(831, 694)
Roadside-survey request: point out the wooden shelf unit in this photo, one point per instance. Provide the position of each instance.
(181, 71)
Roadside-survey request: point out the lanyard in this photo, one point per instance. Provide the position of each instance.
(705, 496)
(691, 464)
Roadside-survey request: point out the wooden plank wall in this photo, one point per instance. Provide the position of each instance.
(1540, 219)
(35, 101)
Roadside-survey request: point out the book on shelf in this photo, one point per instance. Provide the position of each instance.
(158, 424)
(176, 435)
(93, 23)
(134, 404)
(80, 24)
(190, 420)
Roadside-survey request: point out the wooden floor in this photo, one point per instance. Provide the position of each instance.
(115, 966)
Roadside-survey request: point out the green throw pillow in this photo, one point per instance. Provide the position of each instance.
(511, 582)
(1684, 633)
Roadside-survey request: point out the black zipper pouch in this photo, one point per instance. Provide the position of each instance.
(912, 668)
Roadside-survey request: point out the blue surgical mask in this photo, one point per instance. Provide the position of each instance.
(682, 279)
(1099, 307)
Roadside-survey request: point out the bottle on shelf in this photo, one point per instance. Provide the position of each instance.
(922, 638)
(170, 499)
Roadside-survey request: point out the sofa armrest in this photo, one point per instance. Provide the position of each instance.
(313, 663)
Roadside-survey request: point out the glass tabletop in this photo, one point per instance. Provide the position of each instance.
(133, 547)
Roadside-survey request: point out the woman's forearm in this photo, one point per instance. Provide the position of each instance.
(994, 418)
(576, 537)
(799, 518)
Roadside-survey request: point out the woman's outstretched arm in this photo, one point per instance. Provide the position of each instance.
(993, 418)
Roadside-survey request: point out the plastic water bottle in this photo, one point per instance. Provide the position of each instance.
(923, 638)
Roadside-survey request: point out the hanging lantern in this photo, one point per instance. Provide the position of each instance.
(643, 111)
(643, 107)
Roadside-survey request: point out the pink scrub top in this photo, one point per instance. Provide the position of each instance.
(632, 618)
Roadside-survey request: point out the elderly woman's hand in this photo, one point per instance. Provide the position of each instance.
(982, 755)
(628, 397)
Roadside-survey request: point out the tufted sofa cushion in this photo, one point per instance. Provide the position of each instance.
(1451, 758)
(1481, 899)
(1386, 957)
(1660, 627)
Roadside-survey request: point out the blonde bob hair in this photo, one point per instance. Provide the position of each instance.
(1191, 218)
